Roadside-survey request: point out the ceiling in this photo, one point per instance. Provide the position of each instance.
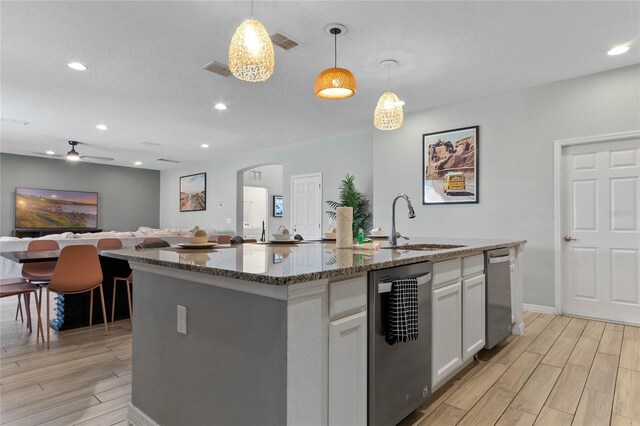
(145, 82)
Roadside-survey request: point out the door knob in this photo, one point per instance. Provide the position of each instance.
(568, 238)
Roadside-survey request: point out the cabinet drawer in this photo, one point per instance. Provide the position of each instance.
(473, 265)
(347, 297)
(446, 272)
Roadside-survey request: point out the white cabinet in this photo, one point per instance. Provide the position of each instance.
(446, 330)
(348, 370)
(473, 315)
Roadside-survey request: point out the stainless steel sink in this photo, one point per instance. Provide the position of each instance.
(425, 247)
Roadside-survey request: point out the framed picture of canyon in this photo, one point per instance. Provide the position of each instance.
(450, 166)
(193, 192)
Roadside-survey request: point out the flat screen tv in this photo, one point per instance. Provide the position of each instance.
(48, 208)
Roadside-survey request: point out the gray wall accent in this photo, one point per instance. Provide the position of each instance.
(517, 134)
(334, 156)
(233, 339)
(127, 197)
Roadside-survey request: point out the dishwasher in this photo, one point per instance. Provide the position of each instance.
(498, 294)
(399, 374)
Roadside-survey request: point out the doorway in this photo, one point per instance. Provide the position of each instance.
(258, 187)
(306, 194)
(598, 227)
(255, 211)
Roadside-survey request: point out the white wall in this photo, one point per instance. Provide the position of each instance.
(334, 156)
(516, 136)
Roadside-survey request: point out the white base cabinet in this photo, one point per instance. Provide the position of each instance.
(348, 370)
(446, 331)
(473, 315)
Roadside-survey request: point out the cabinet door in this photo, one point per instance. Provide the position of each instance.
(348, 370)
(473, 318)
(446, 350)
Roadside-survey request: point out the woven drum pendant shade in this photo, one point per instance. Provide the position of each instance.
(335, 83)
(251, 55)
(389, 114)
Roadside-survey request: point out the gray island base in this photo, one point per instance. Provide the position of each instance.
(274, 334)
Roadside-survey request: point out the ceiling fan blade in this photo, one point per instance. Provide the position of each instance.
(92, 157)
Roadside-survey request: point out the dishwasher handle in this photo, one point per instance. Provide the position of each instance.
(386, 287)
(499, 259)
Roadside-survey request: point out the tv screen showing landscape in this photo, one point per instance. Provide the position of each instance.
(46, 208)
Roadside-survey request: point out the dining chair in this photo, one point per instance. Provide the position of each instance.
(78, 271)
(21, 287)
(224, 239)
(152, 240)
(37, 272)
(109, 244)
(128, 281)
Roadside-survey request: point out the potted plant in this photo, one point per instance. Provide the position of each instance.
(350, 197)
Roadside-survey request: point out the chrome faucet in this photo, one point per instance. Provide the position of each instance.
(393, 238)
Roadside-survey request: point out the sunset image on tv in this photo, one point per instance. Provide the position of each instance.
(44, 208)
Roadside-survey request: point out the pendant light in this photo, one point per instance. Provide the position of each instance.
(73, 154)
(251, 56)
(335, 83)
(388, 114)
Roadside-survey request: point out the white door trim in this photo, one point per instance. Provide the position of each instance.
(557, 202)
(307, 175)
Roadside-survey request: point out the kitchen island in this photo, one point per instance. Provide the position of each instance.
(269, 334)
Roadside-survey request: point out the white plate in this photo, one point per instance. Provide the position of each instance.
(329, 238)
(197, 246)
(284, 241)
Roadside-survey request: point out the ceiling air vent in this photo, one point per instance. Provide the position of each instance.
(283, 41)
(168, 161)
(149, 143)
(218, 68)
(12, 121)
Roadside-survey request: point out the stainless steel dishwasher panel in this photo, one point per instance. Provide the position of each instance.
(399, 374)
(498, 294)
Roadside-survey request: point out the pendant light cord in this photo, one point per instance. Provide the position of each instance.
(388, 66)
(252, 8)
(335, 50)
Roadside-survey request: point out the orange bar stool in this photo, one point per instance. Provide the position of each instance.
(18, 287)
(109, 244)
(128, 281)
(78, 271)
(39, 272)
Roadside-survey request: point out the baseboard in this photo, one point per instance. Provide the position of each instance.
(137, 417)
(518, 329)
(541, 309)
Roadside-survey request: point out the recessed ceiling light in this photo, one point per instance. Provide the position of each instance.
(77, 66)
(618, 50)
(220, 106)
(101, 127)
(138, 163)
(50, 152)
(205, 145)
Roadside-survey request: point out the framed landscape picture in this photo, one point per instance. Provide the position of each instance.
(450, 166)
(278, 207)
(193, 192)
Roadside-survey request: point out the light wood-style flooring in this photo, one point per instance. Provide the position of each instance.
(84, 378)
(562, 371)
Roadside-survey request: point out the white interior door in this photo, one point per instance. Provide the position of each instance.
(306, 191)
(601, 230)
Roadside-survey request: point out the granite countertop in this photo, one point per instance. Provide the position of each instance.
(279, 264)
